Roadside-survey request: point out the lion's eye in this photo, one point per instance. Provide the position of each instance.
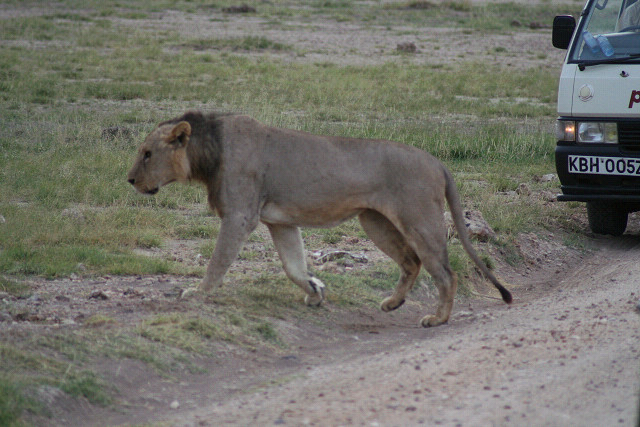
(147, 155)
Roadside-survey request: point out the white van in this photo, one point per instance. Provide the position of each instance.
(598, 128)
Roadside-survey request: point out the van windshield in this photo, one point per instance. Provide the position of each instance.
(609, 30)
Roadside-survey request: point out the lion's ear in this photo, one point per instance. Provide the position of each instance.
(179, 135)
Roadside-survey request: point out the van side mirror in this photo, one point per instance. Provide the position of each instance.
(563, 28)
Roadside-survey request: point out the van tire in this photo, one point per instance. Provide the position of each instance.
(605, 218)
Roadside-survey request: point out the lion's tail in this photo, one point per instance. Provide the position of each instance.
(453, 199)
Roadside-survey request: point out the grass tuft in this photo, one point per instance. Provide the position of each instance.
(14, 403)
(86, 384)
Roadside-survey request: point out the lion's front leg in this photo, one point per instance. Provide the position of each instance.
(289, 245)
(234, 231)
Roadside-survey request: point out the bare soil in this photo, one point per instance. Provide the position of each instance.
(564, 353)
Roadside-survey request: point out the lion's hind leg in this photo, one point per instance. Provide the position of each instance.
(447, 284)
(288, 243)
(387, 237)
(432, 250)
(411, 247)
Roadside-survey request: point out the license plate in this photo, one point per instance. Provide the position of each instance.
(604, 165)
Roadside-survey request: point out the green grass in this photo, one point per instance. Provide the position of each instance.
(61, 161)
(86, 384)
(183, 332)
(66, 203)
(14, 287)
(249, 43)
(25, 369)
(13, 403)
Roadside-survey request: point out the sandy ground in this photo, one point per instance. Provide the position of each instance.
(565, 353)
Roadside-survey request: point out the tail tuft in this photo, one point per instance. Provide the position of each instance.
(506, 295)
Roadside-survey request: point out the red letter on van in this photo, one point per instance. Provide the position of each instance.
(635, 98)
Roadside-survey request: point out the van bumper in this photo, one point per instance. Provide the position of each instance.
(583, 187)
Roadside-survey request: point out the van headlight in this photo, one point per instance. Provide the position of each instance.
(587, 132)
(597, 132)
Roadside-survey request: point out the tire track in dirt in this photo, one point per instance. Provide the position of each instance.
(565, 356)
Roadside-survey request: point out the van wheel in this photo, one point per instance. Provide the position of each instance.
(605, 218)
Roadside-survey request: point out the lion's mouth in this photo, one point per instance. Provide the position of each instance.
(152, 191)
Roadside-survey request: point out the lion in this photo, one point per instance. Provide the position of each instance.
(289, 179)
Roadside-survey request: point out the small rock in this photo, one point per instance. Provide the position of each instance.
(409, 47)
(98, 295)
(131, 292)
(477, 226)
(113, 132)
(547, 178)
(176, 292)
(548, 196)
(21, 316)
(174, 405)
(332, 267)
(200, 260)
(73, 213)
(523, 190)
(421, 5)
(2, 220)
(239, 9)
(340, 255)
(35, 299)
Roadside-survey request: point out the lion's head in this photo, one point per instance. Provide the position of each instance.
(162, 158)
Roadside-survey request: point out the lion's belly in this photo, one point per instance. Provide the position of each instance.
(309, 216)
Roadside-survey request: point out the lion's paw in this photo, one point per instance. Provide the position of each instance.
(430, 321)
(316, 299)
(390, 304)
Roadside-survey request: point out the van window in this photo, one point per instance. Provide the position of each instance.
(610, 29)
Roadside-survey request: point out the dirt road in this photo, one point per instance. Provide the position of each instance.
(565, 353)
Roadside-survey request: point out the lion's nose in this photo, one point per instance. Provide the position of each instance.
(132, 181)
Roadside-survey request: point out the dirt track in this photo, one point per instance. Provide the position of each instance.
(564, 353)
